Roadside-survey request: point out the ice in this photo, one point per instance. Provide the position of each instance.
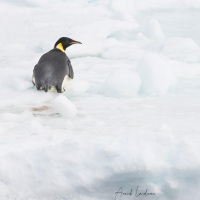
(154, 30)
(76, 87)
(182, 49)
(156, 75)
(122, 83)
(21, 84)
(143, 5)
(122, 52)
(64, 106)
(130, 117)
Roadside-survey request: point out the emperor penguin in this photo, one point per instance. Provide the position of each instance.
(54, 67)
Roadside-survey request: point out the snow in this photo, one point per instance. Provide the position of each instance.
(156, 75)
(130, 117)
(154, 30)
(122, 83)
(76, 87)
(182, 49)
(64, 106)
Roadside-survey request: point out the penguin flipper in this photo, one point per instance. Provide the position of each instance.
(71, 72)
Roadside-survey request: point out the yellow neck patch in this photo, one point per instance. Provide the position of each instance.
(60, 46)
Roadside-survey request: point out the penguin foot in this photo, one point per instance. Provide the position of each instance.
(58, 89)
(38, 87)
(46, 88)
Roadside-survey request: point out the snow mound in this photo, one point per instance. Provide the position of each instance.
(154, 30)
(122, 83)
(64, 106)
(151, 38)
(76, 87)
(156, 75)
(182, 49)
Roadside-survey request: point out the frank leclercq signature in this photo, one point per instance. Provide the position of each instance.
(135, 193)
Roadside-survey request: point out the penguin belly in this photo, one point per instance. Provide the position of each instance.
(33, 79)
(65, 81)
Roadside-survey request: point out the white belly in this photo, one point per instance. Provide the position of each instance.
(33, 79)
(65, 82)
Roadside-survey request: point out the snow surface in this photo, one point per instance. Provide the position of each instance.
(122, 83)
(64, 107)
(156, 74)
(133, 105)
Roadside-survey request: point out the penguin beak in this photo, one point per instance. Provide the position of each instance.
(75, 42)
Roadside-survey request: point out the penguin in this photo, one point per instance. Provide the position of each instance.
(54, 67)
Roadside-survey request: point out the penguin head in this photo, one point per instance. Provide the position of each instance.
(65, 42)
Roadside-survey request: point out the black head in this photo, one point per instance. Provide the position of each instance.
(65, 42)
